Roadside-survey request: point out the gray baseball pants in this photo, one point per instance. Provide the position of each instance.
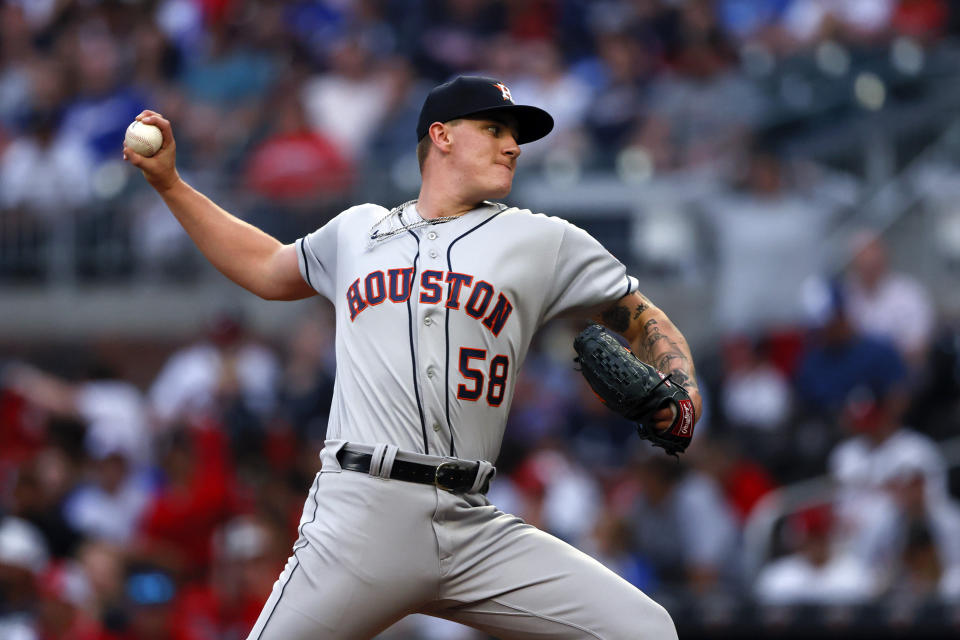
(373, 550)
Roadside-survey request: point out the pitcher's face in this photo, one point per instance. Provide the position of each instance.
(485, 153)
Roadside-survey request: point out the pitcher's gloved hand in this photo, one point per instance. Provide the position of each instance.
(634, 389)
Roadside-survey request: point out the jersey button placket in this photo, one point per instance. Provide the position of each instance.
(432, 342)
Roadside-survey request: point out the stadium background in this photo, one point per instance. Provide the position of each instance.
(780, 174)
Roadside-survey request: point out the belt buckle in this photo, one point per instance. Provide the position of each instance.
(436, 475)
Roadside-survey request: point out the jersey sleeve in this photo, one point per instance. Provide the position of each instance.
(585, 276)
(317, 256)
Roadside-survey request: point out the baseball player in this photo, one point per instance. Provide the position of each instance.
(436, 304)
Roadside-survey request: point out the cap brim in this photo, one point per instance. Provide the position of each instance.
(533, 123)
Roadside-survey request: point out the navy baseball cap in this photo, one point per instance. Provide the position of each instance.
(476, 96)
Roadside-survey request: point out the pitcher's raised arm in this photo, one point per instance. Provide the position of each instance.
(253, 259)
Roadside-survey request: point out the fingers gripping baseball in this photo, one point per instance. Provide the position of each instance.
(159, 169)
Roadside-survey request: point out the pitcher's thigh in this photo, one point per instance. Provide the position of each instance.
(313, 599)
(532, 585)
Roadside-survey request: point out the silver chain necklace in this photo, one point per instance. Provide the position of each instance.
(378, 235)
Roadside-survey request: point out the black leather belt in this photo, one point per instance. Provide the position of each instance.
(453, 475)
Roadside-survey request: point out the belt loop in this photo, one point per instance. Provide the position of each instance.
(386, 466)
(381, 460)
(485, 473)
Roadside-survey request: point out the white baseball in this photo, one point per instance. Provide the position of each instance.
(145, 139)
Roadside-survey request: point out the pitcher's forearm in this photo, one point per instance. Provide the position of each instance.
(237, 249)
(661, 344)
(653, 337)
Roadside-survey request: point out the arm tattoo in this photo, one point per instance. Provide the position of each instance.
(653, 345)
(653, 335)
(680, 377)
(617, 318)
(643, 306)
(666, 361)
(658, 349)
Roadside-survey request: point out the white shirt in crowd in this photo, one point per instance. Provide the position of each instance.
(898, 309)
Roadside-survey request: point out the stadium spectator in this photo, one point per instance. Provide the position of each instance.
(112, 409)
(839, 359)
(226, 372)
(450, 35)
(756, 396)
(16, 57)
(924, 533)
(294, 171)
(23, 559)
(764, 218)
(308, 376)
(863, 466)
(247, 552)
(925, 20)
(886, 303)
(231, 75)
(880, 445)
(43, 183)
(560, 495)
(104, 103)
(40, 487)
(110, 504)
(546, 83)
(619, 101)
(742, 469)
(156, 61)
(356, 79)
(854, 21)
(197, 486)
(700, 113)
(294, 164)
(815, 573)
(920, 569)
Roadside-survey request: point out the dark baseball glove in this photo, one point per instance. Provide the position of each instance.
(634, 389)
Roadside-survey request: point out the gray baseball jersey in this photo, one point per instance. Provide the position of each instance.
(433, 323)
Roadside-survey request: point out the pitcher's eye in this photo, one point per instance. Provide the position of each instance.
(494, 129)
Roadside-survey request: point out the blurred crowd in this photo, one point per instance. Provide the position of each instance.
(288, 109)
(165, 509)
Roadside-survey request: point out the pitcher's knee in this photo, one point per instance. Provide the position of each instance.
(649, 622)
(662, 627)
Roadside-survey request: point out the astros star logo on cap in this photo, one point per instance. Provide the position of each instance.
(504, 90)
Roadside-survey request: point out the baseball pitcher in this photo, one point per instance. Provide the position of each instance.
(436, 302)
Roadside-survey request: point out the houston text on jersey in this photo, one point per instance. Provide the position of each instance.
(395, 286)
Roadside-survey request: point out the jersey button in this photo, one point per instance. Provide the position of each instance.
(431, 372)
(428, 321)
(436, 426)
(432, 235)
(433, 253)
